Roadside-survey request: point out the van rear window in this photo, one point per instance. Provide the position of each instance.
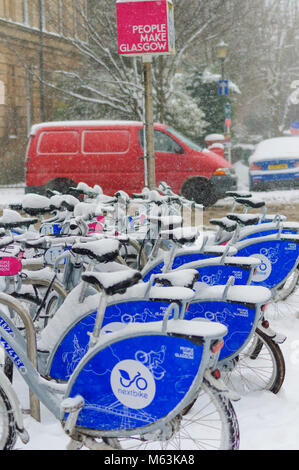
(106, 141)
(58, 142)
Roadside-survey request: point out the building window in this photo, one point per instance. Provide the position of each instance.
(62, 17)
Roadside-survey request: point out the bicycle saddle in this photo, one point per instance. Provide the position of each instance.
(56, 201)
(238, 194)
(250, 202)
(69, 202)
(183, 278)
(16, 206)
(171, 294)
(167, 222)
(224, 223)
(244, 219)
(35, 204)
(103, 250)
(5, 241)
(111, 283)
(181, 235)
(11, 218)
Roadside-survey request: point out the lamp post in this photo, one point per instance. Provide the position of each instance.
(222, 50)
(221, 55)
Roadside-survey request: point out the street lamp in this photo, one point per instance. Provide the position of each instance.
(222, 49)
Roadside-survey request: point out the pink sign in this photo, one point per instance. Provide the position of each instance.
(98, 226)
(9, 266)
(145, 27)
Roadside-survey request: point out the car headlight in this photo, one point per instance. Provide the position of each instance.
(222, 171)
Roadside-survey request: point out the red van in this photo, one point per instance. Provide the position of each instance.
(109, 153)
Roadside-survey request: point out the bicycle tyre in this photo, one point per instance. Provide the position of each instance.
(8, 433)
(209, 424)
(260, 366)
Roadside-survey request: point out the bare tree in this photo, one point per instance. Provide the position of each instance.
(112, 84)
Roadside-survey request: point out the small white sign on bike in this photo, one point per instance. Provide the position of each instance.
(52, 254)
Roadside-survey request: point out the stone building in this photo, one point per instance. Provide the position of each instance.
(35, 39)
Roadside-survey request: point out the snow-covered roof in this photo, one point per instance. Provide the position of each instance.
(99, 122)
(278, 147)
(212, 137)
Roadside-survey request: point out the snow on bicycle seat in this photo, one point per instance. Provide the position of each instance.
(106, 200)
(199, 328)
(244, 219)
(166, 222)
(139, 196)
(122, 195)
(247, 294)
(35, 204)
(237, 194)
(69, 202)
(171, 294)
(103, 250)
(11, 218)
(116, 282)
(5, 241)
(87, 210)
(183, 278)
(83, 188)
(56, 201)
(251, 202)
(225, 223)
(181, 235)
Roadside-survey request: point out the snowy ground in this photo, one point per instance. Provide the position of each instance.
(267, 421)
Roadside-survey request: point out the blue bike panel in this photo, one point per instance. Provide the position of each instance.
(220, 274)
(156, 270)
(136, 381)
(278, 258)
(238, 318)
(211, 275)
(74, 345)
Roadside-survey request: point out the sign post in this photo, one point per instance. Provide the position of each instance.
(228, 123)
(146, 28)
(149, 124)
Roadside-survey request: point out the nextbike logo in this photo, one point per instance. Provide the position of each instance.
(133, 384)
(264, 269)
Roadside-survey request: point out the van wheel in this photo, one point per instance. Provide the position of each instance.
(61, 185)
(200, 190)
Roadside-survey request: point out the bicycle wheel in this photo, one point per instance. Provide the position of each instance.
(7, 423)
(210, 424)
(260, 366)
(41, 309)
